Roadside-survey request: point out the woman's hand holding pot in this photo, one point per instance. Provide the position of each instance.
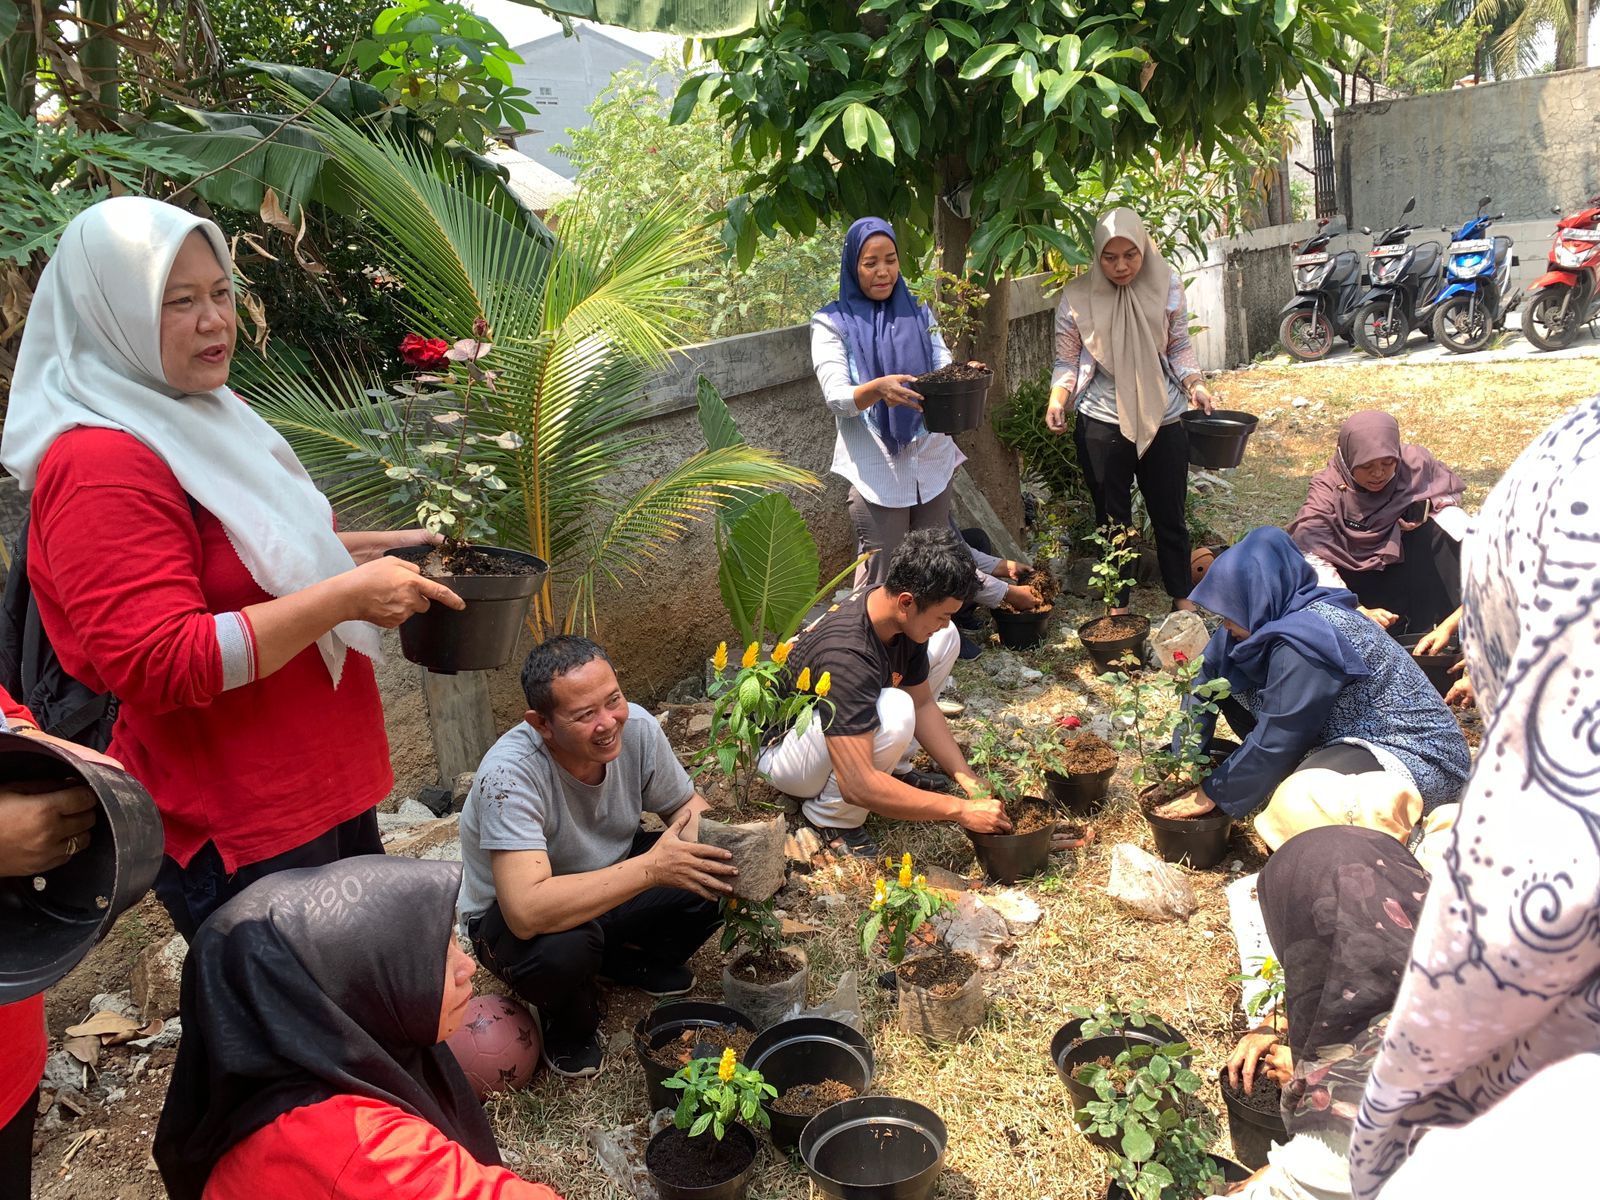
(1200, 397)
(366, 545)
(385, 591)
(892, 390)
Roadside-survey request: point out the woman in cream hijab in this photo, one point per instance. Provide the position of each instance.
(183, 560)
(1124, 362)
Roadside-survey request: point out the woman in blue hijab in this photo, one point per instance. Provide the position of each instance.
(1315, 684)
(867, 347)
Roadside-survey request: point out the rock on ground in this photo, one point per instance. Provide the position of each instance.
(157, 976)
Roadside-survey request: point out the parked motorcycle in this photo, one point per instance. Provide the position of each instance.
(1477, 292)
(1567, 296)
(1405, 281)
(1327, 286)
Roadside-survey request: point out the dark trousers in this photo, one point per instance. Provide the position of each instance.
(555, 972)
(1342, 757)
(969, 616)
(191, 894)
(1424, 587)
(1111, 464)
(16, 1152)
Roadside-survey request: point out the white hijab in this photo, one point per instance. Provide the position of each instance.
(91, 356)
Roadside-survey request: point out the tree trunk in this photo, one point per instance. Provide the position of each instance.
(1580, 39)
(98, 58)
(18, 67)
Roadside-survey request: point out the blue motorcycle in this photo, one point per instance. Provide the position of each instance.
(1477, 293)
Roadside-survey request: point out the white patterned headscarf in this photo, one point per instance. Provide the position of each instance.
(1504, 978)
(91, 356)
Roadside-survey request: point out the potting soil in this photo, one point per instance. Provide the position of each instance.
(1111, 629)
(939, 974)
(1029, 815)
(676, 1052)
(697, 1162)
(1265, 1096)
(448, 560)
(1086, 754)
(764, 969)
(1043, 585)
(951, 373)
(808, 1099)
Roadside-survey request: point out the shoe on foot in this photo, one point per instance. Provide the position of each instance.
(969, 647)
(653, 979)
(950, 706)
(857, 841)
(575, 1058)
(927, 781)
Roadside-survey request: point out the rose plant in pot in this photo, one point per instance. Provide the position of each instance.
(1008, 761)
(767, 980)
(1255, 1105)
(439, 458)
(721, 1098)
(1101, 1032)
(1078, 766)
(1112, 637)
(940, 993)
(1162, 720)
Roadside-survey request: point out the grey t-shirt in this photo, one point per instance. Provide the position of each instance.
(523, 799)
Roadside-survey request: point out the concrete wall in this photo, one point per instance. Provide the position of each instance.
(1530, 143)
(564, 76)
(1236, 292)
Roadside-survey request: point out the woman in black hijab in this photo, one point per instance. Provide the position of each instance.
(315, 1007)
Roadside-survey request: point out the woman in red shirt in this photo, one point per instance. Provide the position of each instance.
(182, 558)
(315, 1008)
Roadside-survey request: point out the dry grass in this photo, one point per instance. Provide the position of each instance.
(1010, 1129)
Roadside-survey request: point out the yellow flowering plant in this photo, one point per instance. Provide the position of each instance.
(718, 1092)
(751, 701)
(900, 904)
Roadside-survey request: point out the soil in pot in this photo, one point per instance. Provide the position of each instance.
(1255, 1121)
(443, 562)
(938, 974)
(952, 397)
(767, 988)
(1108, 638)
(1197, 842)
(1008, 857)
(1089, 764)
(497, 586)
(689, 1165)
(702, 1041)
(1020, 631)
(1044, 586)
(808, 1099)
(765, 969)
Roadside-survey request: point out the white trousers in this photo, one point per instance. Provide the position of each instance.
(799, 764)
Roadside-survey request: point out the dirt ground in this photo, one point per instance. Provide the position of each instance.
(1006, 1110)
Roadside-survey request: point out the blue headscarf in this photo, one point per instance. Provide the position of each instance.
(1264, 584)
(887, 337)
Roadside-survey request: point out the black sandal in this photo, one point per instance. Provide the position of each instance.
(857, 841)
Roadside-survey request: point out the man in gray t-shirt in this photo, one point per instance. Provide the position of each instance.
(560, 887)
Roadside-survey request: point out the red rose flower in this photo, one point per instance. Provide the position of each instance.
(1069, 722)
(419, 351)
(1178, 656)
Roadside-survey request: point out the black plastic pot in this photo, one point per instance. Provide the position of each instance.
(1232, 1172)
(732, 1188)
(1105, 654)
(808, 1050)
(1008, 857)
(660, 1025)
(1020, 631)
(1069, 1050)
(1251, 1130)
(1435, 666)
(1218, 440)
(953, 407)
(1198, 842)
(1080, 795)
(49, 922)
(482, 636)
(875, 1148)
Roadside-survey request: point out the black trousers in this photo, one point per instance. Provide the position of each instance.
(555, 972)
(191, 894)
(16, 1152)
(1111, 464)
(1423, 588)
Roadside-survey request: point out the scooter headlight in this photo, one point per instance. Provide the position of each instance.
(1309, 279)
(1387, 270)
(1568, 257)
(1467, 266)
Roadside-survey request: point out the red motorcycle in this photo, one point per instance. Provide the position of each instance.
(1567, 297)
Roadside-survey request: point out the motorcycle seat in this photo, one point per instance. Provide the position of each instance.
(1502, 248)
(1426, 261)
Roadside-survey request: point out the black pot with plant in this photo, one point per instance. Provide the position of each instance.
(952, 397)
(1115, 637)
(1078, 767)
(668, 1036)
(1104, 1031)
(709, 1152)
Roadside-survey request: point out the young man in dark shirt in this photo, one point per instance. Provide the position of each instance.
(875, 650)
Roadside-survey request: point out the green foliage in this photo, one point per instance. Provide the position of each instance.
(1159, 716)
(1114, 1015)
(1270, 996)
(631, 153)
(757, 926)
(716, 1092)
(834, 116)
(1007, 761)
(754, 701)
(899, 906)
(1050, 458)
(957, 304)
(1159, 1153)
(1108, 576)
(446, 65)
(51, 173)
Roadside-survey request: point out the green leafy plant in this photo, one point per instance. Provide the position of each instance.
(1114, 1015)
(957, 303)
(1107, 577)
(1159, 717)
(1051, 458)
(1158, 1152)
(899, 906)
(756, 925)
(1007, 760)
(753, 701)
(717, 1092)
(1269, 997)
(447, 65)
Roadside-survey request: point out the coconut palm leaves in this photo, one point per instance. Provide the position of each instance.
(580, 324)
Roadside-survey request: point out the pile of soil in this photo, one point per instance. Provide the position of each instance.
(1044, 586)
(1265, 1095)
(765, 969)
(697, 1162)
(953, 373)
(452, 559)
(1085, 754)
(808, 1099)
(1111, 629)
(676, 1052)
(1029, 815)
(939, 974)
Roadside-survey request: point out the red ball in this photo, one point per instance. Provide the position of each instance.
(497, 1045)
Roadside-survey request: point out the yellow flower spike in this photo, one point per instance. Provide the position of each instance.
(880, 890)
(921, 881)
(751, 653)
(824, 684)
(725, 1071)
(888, 863)
(719, 660)
(905, 859)
(780, 654)
(905, 877)
(804, 682)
